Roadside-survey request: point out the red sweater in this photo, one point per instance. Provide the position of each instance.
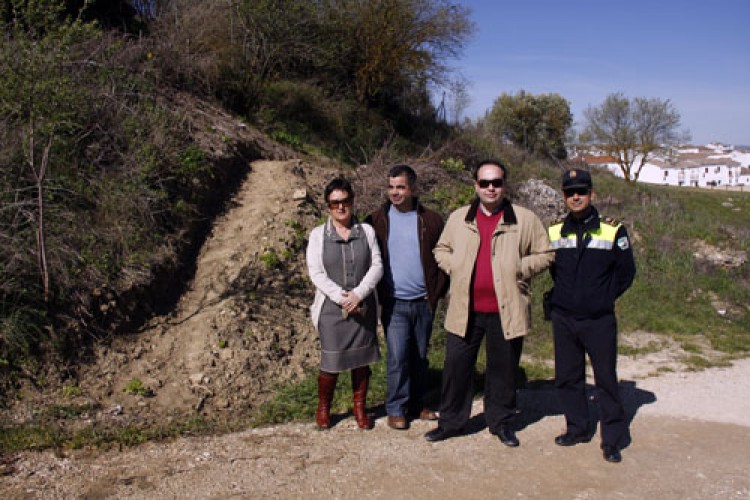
(484, 299)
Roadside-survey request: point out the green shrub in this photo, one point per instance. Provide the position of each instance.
(270, 259)
(71, 391)
(289, 139)
(135, 387)
(452, 165)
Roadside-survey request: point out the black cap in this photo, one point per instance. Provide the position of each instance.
(576, 178)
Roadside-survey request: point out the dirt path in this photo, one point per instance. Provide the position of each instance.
(690, 439)
(189, 358)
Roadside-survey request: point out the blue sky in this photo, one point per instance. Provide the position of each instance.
(696, 53)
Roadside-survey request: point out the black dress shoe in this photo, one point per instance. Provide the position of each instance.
(440, 434)
(611, 453)
(506, 436)
(569, 439)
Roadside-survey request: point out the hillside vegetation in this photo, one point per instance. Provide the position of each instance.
(125, 133)
(110, 176)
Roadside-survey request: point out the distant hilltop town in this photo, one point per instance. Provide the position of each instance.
(714, 165)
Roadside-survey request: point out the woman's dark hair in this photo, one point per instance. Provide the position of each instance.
(340, 184)
(491, 162)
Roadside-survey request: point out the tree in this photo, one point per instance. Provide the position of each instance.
(633, 130)
(458, 99)
(387, 47)
(536, 123)
(40, 103)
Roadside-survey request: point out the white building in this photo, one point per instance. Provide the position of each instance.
(712, 166)
(711, 175)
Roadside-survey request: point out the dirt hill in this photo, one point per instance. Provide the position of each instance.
(241, 326)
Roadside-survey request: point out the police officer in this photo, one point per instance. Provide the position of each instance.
(593, 266)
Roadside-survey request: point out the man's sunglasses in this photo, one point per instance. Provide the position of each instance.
(485, 183)
(582, 191)
(345, 202)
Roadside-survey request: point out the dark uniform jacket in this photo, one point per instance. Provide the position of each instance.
(593, 266)
(429, 225)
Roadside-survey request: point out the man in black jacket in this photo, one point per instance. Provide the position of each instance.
(408, 293)
(593, 266)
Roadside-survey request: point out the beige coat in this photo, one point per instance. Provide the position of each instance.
(520, 250)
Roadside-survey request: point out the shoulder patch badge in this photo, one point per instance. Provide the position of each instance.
(623, 243)
(610, 220)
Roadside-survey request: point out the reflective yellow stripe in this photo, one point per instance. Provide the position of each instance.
(601, 239)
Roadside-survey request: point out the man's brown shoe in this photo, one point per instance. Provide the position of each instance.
(427, 414)
(398, 423)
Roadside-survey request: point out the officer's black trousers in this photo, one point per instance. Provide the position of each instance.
(500, 375)
(574, 338)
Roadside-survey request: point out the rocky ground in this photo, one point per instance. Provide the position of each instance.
(690, 439)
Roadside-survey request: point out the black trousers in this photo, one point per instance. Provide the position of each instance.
(574, 338)
(503, 357)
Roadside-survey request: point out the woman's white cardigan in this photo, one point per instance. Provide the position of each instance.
(325, 287)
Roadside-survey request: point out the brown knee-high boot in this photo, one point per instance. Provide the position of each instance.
(326, 388)
(360, 381)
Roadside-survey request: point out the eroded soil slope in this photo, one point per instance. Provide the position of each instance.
(241, 327)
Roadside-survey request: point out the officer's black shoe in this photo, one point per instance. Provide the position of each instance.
(440, 434)
(611, 453)
(506, 436)
(569, 439)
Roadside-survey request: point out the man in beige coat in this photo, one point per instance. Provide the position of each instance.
(490, 249)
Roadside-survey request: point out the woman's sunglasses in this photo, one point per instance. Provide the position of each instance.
(334, 204)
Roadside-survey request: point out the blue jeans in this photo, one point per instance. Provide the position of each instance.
(408, 327)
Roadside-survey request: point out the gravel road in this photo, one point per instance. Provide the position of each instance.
(690, 439)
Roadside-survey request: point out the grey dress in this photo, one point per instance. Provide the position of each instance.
(347, 342)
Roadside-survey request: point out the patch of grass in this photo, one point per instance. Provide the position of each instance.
(54, 435)
(270, 259)
(289, 139)
(698, 363)
(135, 387)
(298, 234)
(32, 437)
(56, 411)
(671, 290)
(71, 391)
(535, 370)
(633, 351)
(692, 348)
(287, 254)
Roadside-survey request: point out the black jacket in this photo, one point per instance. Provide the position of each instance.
(593, 266)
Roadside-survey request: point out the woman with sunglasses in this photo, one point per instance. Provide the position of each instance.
(345, 266)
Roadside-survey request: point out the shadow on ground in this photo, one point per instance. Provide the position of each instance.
(537, 400)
